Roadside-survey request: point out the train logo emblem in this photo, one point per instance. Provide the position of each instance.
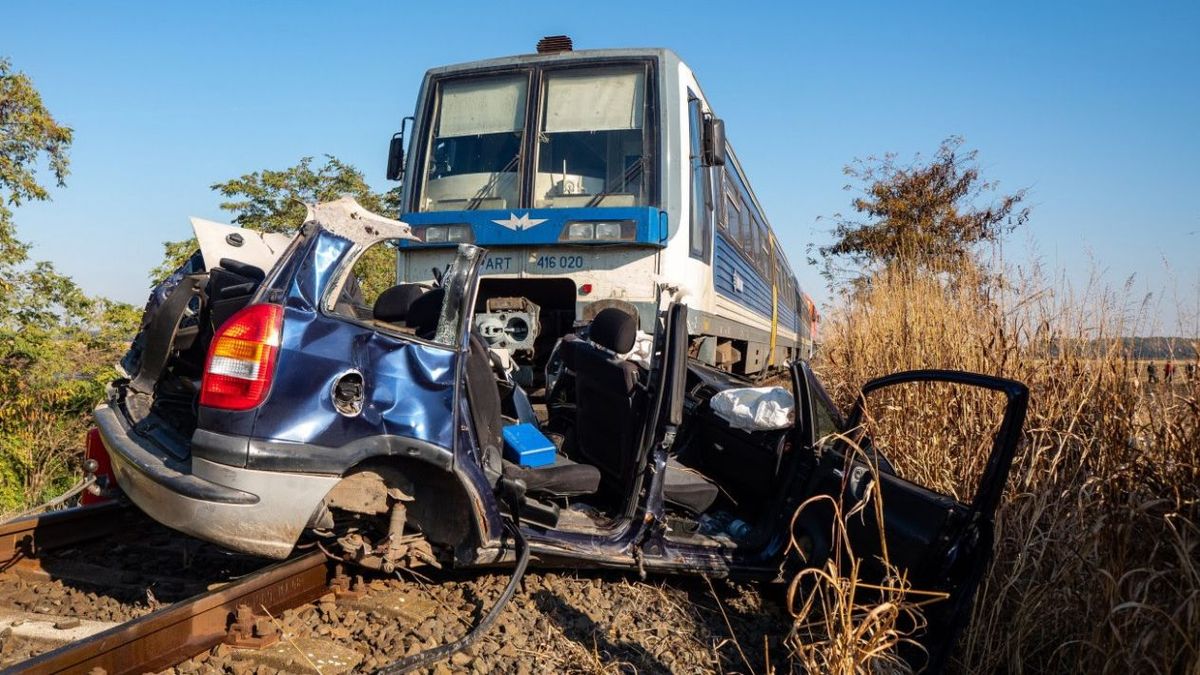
(517, 224)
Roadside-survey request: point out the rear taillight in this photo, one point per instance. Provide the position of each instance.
(241, 359)
(94, 451)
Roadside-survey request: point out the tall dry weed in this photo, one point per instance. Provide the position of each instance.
(1098, 534)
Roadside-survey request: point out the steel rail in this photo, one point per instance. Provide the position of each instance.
(178, 632)
(26, 537)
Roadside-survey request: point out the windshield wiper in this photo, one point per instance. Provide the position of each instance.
(483, 191)
(632, 172)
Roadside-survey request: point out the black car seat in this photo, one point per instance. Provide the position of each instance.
(563, 478)
(609, 407)
(608, 399)
(230, 286)
(424, 311)
(392, 305)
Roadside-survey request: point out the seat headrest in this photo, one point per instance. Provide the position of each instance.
(567, 349)
(424, 311)
(614, 329)
(393, 304)
(242, 269)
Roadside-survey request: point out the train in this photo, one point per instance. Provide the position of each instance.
(595, 179)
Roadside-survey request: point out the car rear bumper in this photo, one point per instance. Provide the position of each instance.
(257, 512)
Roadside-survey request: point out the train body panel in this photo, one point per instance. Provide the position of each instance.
(596, 178)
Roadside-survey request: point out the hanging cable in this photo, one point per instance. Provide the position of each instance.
(79, 487)
(431, 656)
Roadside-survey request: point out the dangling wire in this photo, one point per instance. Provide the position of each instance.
(431, 656)
(78, 487)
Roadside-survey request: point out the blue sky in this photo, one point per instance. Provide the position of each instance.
(1093, 106)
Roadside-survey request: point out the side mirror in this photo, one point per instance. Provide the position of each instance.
(714, 141)
(395, 165)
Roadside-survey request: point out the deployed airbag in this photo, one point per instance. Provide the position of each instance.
(755, 408)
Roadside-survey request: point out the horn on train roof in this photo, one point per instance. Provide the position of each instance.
(555, 43)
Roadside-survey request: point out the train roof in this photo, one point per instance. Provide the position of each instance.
(662, 54)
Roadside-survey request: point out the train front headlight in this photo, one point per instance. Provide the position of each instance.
(581, 231)
(608, 231)
(440, 234)
(599, 230)
(461, 233)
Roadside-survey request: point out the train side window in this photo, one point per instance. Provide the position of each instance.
(754, 243)
(720, 213)
(701, 232)
(748, 231)
(733, 209)
(763, 254)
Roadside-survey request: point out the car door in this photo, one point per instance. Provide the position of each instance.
(941, 543)
(351, 387)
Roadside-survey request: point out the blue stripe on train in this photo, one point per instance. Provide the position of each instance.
(730, 268)
(523, 227)
(755, 293)
(787, 317)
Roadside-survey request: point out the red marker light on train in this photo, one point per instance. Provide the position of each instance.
(585, 289)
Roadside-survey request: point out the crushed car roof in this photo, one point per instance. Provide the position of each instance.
(347, 218)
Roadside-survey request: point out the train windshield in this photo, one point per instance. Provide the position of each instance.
(592, 141)
(474, 159)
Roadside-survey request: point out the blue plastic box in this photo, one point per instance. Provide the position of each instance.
(524, 444)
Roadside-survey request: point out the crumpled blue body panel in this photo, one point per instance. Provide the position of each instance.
(408, 386)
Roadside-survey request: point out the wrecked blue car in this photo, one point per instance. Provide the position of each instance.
(285, 388)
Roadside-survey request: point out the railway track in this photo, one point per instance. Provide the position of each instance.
(226, 614)
(179, 632)
(233, 612)
(236, 624)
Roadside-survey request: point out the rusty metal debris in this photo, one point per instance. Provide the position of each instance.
(250, 630)
(345, 588)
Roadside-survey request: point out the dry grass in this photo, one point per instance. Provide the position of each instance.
(1097, 564)
(835, 630)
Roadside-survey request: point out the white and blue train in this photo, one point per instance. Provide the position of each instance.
(595, 178)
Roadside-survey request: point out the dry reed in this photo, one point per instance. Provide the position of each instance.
(1097, 558)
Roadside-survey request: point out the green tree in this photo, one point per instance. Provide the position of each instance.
(57, 345)
(28, 135)
(920, 217)
(273, 200)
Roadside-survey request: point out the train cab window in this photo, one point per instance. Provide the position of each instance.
(473, 160)
(701, 204)
(593, 142)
